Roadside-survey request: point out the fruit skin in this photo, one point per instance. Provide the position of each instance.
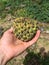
(25, 28)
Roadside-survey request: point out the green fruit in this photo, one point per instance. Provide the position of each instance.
(25, 28)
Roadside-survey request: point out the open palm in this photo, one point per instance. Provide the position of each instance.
(11, 46)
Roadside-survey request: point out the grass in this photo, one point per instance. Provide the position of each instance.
(40, 56)
(38, 9)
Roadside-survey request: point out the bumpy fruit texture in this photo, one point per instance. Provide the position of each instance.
(25, 28)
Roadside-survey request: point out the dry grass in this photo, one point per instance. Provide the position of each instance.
(43, 41)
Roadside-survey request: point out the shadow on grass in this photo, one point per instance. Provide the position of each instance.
(41, 58)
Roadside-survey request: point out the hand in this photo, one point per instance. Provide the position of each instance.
(11, 46)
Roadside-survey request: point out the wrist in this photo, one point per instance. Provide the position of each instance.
(2, 57)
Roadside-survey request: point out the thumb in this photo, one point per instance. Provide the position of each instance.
(33, 40)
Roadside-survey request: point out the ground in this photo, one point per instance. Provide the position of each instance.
(37, 54)
(41, 46)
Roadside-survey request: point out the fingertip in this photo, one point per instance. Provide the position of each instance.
(38, 32)
(11, 29)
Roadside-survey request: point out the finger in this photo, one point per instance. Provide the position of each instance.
(34, 39)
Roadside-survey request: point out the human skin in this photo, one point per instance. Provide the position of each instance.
(10, 46)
